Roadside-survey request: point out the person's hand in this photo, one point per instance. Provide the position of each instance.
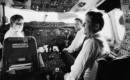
(65, 76)
(65, 49)
(116, 46)
(68, 50)
(40, 50)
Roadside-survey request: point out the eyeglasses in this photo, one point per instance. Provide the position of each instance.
(19, 23)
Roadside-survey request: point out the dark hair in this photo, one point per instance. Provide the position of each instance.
(78, 19)
(96, 18)
(15, 17)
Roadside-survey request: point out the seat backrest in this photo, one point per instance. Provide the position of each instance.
(17, 51)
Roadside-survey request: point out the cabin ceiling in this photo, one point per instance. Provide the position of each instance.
(63, 5)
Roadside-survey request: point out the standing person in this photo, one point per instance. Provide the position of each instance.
(16, 30)
(93, 48)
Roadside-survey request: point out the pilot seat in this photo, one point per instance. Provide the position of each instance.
(20, 59)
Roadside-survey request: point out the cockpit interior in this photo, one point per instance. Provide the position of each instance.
(49, 26)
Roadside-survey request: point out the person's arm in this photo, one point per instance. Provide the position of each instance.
(80, 61)
(71, 48)
(77, 42)
(1, 46)
(6, 35)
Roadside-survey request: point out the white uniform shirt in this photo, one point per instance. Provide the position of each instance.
(91, 51)
(13, 33)
(77, 42)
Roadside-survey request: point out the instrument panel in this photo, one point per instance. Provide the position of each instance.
(52, 61)
(51, 33)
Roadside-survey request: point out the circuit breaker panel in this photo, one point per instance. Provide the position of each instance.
(125, 45)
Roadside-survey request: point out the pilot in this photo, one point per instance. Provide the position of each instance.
(16, 30)
(78, 40)
(75, 46)
(16, 27)
(93, 48)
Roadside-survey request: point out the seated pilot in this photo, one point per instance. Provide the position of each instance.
(78, 40)
(16, 30)
(93, 48)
